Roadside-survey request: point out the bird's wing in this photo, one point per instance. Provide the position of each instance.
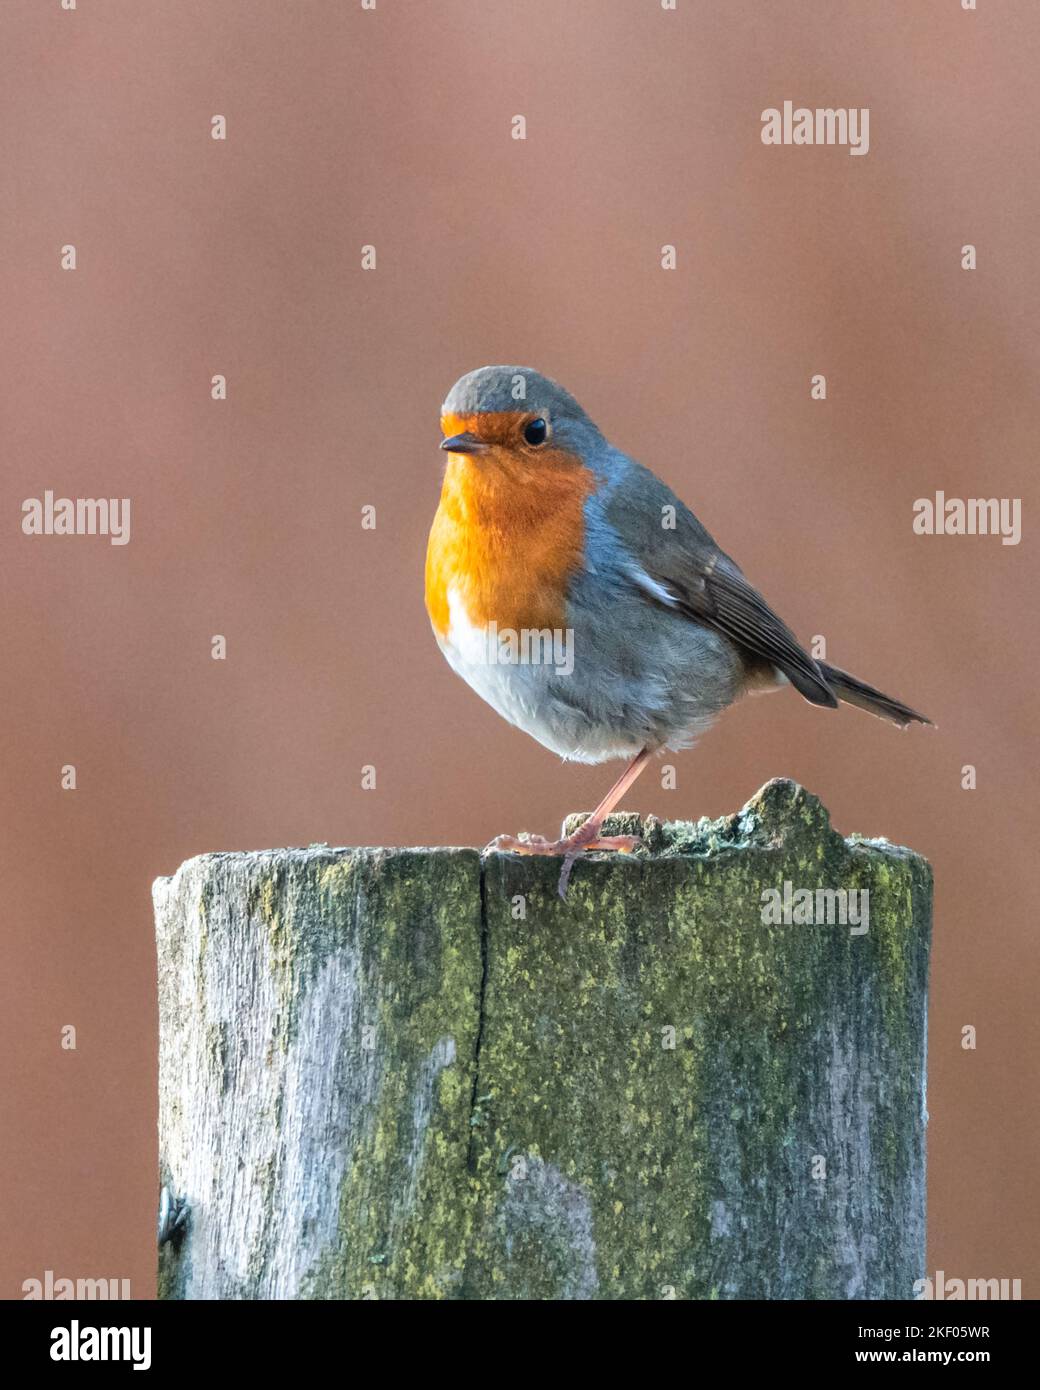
(690, 574)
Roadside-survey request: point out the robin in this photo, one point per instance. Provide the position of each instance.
(578, 595)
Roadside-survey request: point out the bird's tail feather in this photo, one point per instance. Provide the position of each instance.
(864, 696)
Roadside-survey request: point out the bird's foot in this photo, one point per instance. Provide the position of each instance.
(570, 847)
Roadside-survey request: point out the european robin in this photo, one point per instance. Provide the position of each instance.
(578, 595)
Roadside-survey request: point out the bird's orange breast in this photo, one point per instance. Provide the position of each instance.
(508, 535)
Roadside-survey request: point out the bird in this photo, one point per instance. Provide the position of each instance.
(575, 592)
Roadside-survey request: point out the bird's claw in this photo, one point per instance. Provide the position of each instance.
(586, 838)
(525, 844)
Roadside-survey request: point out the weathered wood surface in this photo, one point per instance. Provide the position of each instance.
(412, 1074)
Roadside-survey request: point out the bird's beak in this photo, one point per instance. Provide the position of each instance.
(463, 444)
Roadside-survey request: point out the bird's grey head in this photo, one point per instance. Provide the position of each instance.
(513, 408)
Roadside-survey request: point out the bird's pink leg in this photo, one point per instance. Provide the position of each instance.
(587, 835)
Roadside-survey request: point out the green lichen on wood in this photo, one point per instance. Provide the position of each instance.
(687, 1171)
(415, 916)
(627, 1095)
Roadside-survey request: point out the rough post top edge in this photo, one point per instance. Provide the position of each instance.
(261, 860)
(781, 814)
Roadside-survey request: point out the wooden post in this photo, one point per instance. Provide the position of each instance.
(417, 1074)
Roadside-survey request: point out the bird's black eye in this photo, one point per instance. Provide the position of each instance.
(536, 431)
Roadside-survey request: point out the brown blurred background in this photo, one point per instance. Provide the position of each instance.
(392, 128)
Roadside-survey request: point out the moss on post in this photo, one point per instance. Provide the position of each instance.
(672, 1085)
